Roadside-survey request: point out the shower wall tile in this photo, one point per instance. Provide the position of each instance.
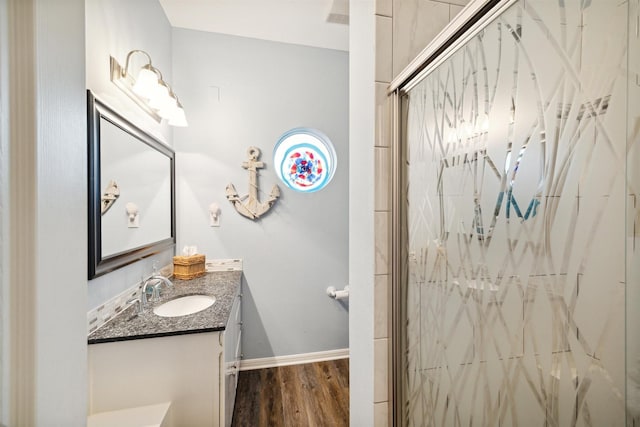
(383, 116)
(382, 206)
(381, 299)
(382, 179)
(384, 7)
(381, 220)
(454, 10)
(417, 22)
(384, 34)
(381, 414)
(458, 2)
(381, 370)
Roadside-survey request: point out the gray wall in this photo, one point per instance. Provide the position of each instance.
(239, 92)
(113, 28)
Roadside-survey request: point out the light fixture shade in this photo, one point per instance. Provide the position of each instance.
(178, 118)
(146, 83)
(168, 109)
(160, 99)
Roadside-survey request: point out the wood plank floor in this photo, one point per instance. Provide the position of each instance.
(309, 395)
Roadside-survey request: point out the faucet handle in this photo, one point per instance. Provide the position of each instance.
(138, 303)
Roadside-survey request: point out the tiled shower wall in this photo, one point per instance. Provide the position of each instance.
(403, 29)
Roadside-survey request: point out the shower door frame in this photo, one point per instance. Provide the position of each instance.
(475, 16)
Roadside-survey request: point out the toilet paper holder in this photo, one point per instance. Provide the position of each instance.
(338, 294)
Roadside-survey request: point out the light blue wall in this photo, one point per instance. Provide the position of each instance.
(238, 92)
(61, 224)
(113, 28)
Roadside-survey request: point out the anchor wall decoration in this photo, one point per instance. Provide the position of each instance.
(249, 205)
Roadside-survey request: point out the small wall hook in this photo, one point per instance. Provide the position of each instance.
(214, 215)
(133, 215)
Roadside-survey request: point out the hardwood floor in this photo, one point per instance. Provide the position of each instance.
(309, 395)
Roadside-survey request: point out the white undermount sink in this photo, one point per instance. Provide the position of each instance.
(184, 305)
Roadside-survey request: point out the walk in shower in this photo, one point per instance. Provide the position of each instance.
(517, 219)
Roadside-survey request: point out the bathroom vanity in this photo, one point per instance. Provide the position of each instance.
(190, 360)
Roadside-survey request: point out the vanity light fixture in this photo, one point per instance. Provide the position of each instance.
(149, 90)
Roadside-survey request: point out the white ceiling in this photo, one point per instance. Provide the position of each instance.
(301, 22)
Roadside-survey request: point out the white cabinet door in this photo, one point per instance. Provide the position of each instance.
(181, 369)
(232, 354)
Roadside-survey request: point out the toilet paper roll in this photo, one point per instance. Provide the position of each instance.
(335, 294)
(341, 294)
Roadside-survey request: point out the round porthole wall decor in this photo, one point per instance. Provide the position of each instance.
(304, 159)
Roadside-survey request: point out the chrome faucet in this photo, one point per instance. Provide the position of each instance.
(163, 281)
(154, 282)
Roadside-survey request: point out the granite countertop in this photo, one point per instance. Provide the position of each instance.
(127, 325)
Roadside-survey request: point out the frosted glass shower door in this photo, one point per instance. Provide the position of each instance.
(633, 219)
(521, 222)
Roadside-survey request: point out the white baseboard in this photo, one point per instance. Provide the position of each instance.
(293, 359)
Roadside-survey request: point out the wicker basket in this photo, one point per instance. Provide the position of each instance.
(188, 267)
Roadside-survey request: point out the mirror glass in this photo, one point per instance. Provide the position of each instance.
(131, 191)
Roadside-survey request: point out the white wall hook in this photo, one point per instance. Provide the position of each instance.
(133, 215)
(214, 215)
